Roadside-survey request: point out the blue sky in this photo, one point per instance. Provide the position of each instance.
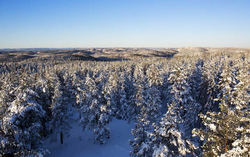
(124, 23)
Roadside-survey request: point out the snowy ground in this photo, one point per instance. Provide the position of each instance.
(81, 144)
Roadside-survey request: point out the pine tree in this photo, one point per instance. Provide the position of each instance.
(226, 132)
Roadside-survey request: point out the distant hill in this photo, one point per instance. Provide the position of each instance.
(106, 54)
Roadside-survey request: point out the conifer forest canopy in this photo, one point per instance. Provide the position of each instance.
(181, 101)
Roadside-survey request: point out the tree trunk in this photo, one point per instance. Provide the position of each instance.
(225, 148)
(8, 155)
(61, 137)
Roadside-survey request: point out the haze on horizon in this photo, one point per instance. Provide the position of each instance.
(124, 23)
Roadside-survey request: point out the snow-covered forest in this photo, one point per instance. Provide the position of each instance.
(180, 106)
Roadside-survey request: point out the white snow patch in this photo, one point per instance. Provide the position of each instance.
(81, 143)
(212, 127)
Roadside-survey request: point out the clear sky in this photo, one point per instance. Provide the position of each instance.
(124, 23)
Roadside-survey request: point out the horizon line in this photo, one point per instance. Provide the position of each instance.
(123, 47)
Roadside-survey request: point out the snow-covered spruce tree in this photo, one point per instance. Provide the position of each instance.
(183, 98)
(154, 93)
(198, 92)
(155, 77)
(167, 140)
(60, 107)
(96, 113)
(10, 84)
(105, 112)
(70, 90)
(129, 86)
(211, 76)
(226, 132)
(149, 104)
(6, 94)
(239, 103)
(118, 94)
(6, 97)
(165, 90)
(83, 95)
(78, 81)
(123, 111)
(171, 135)
(112, 95)
(23, 126)
(196, 82)
(43, 88)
